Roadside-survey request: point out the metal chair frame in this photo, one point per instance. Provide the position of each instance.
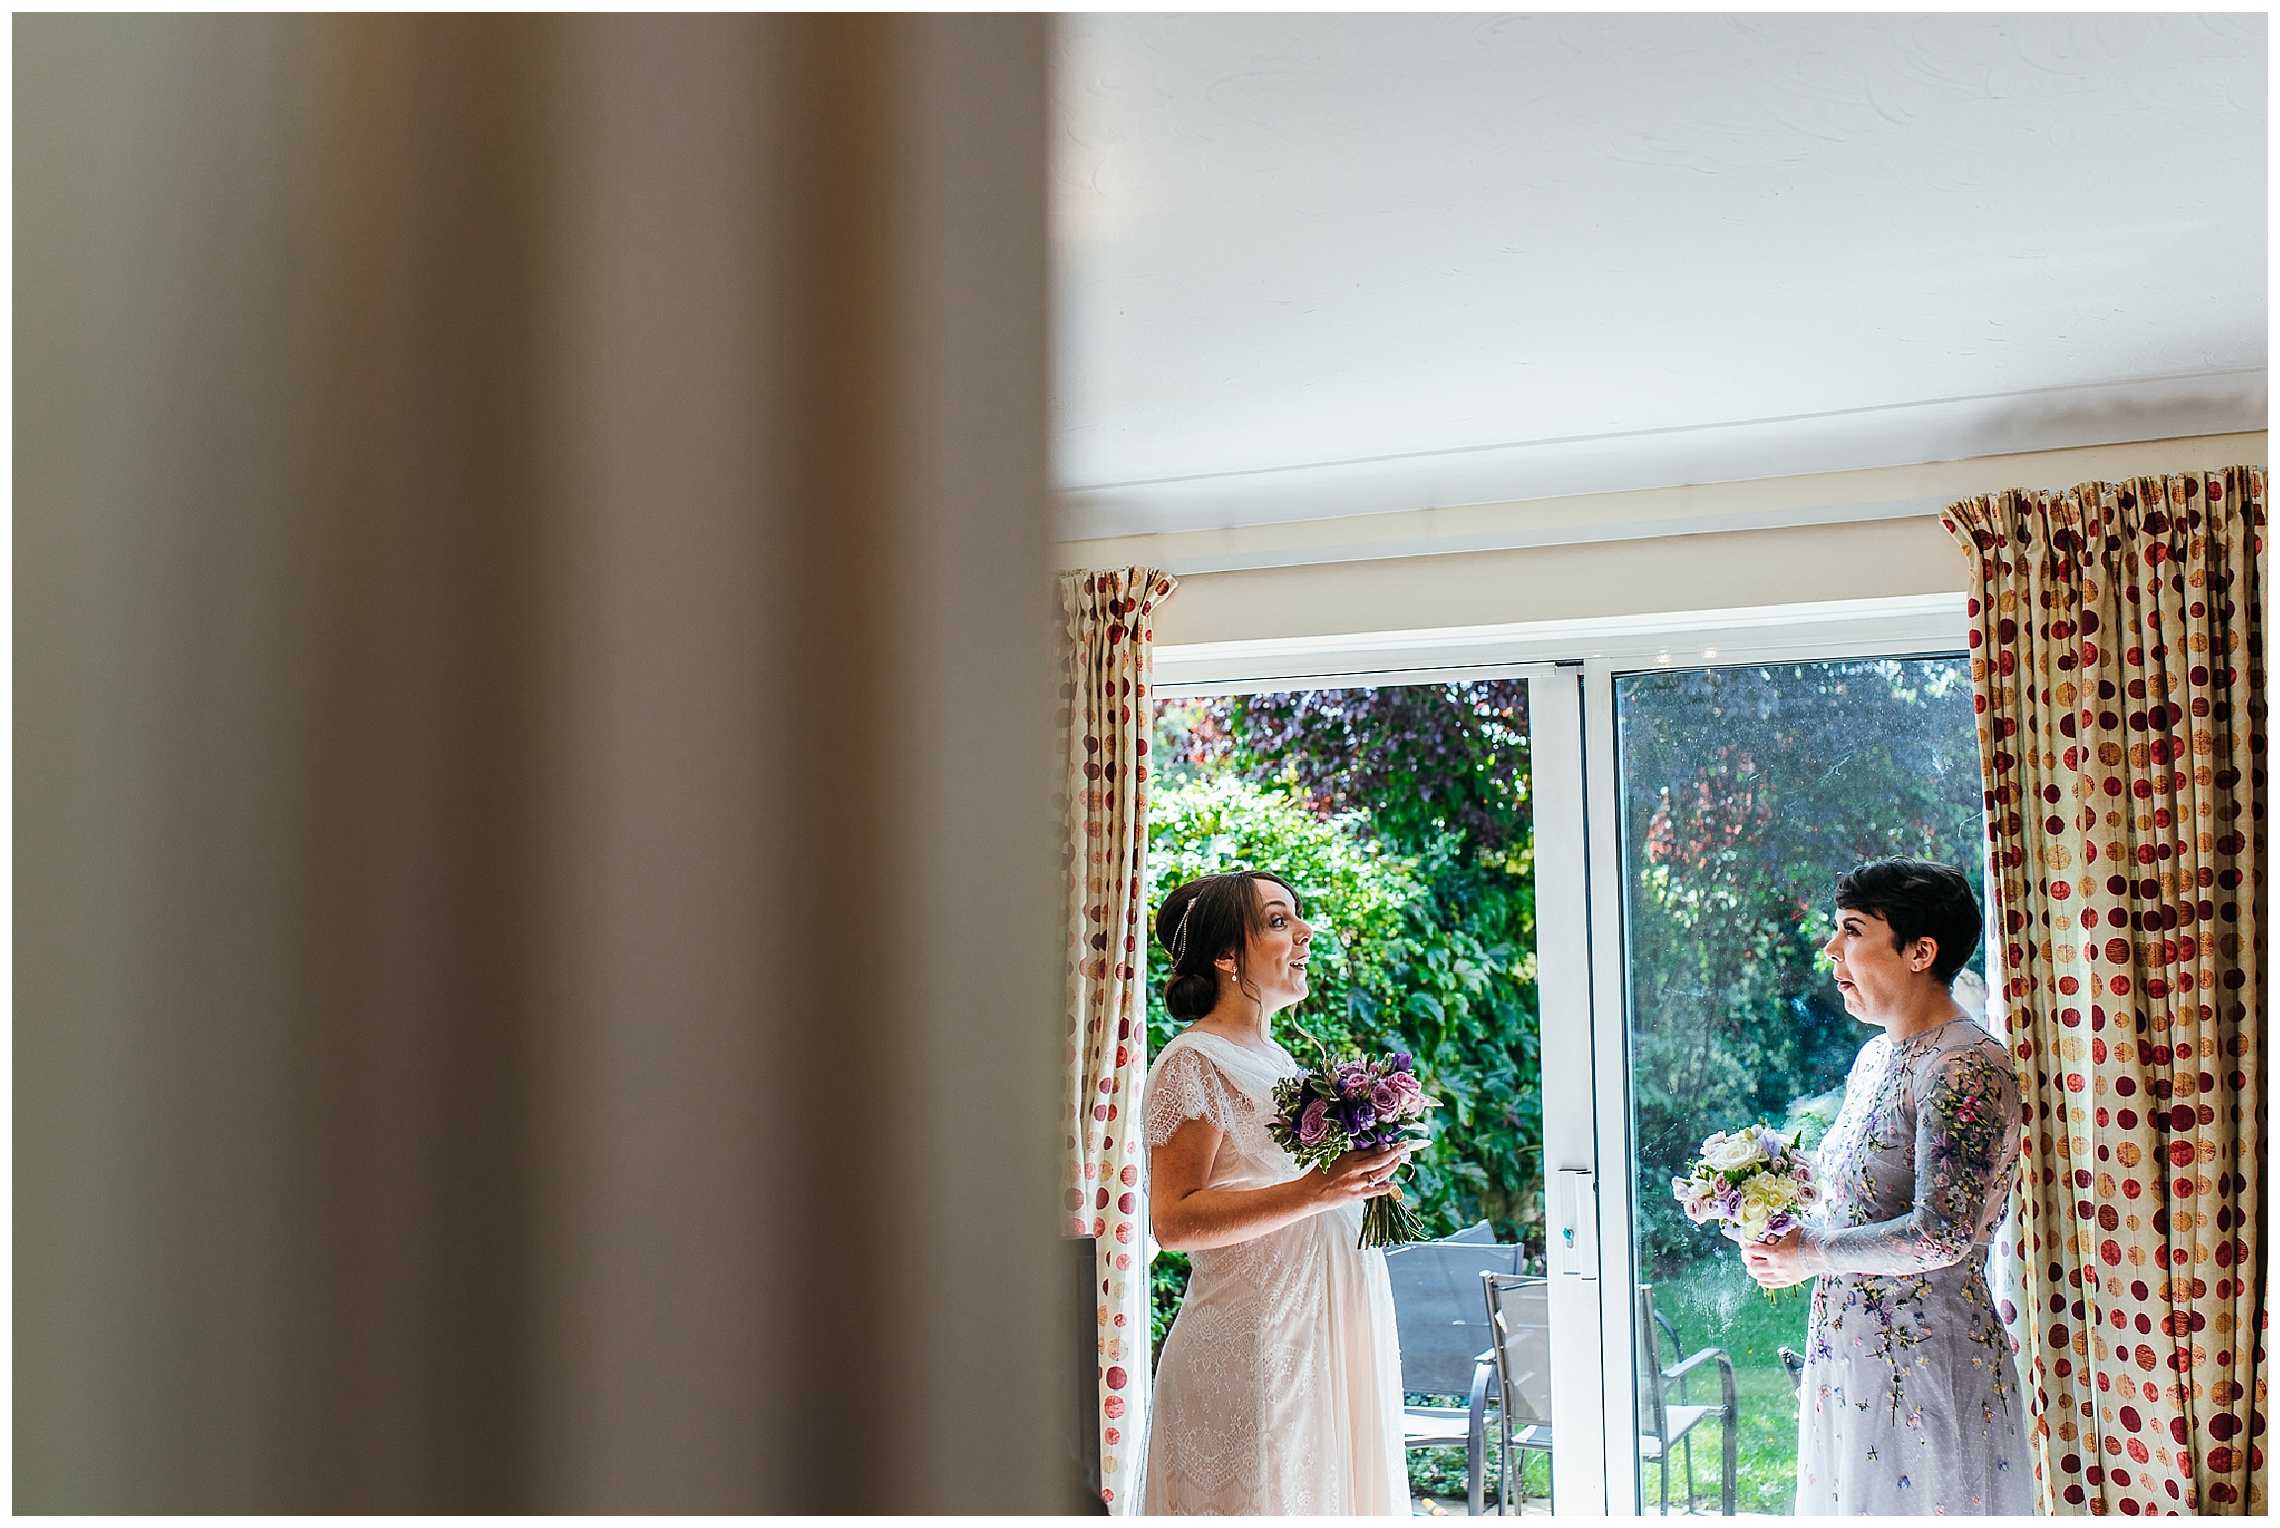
(1518, 1426)
(1449, 1426)
(1654, 1386)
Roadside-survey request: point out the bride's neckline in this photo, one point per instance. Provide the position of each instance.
(1271, 1051)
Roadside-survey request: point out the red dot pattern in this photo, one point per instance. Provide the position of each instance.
(2117, 660)
(1104, 695)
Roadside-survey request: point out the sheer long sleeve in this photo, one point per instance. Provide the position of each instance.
(1966, 1137)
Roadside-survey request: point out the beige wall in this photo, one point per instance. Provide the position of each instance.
(533, 618)
(1322, 591)
(1868, 560)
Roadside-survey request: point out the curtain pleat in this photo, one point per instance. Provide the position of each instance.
(1105, 688)
(2118, 674)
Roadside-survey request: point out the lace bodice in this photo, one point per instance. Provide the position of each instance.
(1200, 1076)
(1279, 1389)
(1915, 1171)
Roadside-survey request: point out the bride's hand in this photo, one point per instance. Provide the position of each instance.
(1360, 1175)
(1777, 1265)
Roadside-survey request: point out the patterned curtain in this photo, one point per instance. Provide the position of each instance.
(2118, 673)
(1105, 688)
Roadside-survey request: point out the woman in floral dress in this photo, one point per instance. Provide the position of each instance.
(1910, 1402)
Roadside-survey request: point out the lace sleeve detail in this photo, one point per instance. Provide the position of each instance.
(1967, 1133)
(1184, 1086)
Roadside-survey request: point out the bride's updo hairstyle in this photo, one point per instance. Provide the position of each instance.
(1206, 920)
(1920, 899)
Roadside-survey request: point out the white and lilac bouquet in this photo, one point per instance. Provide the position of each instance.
(1756, 1183)
(1356, 1104)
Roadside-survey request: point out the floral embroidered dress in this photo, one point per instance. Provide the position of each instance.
(1279, 1388)
(1910, 1403)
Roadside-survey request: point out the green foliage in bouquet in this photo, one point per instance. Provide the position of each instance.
(1356, 1103)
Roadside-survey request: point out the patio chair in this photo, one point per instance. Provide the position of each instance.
(1445, 1340)
(1667, 1416)
(1519, 1315)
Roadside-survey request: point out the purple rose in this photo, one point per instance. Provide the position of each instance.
(1729, 1202)
(1409, 1097)
(1314, 1123)
(1353, 1079)
(1386, 1099)
(1694, 1199)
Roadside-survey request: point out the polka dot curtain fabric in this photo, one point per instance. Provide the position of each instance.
(1105, 690)
(2118, 671)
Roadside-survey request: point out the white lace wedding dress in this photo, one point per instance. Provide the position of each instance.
(1279, 1389)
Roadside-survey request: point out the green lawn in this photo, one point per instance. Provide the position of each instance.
(1714, 1304)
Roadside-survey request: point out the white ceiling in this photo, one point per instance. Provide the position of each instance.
(1324, 265)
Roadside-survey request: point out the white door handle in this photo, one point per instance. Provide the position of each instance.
(1579, 1222)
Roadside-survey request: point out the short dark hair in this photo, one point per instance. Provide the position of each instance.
(1203, 921)
(1921, 899)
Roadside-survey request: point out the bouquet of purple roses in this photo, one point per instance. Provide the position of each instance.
(1356, 1104)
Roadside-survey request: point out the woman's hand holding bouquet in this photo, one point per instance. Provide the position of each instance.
(1756, 1183)
(1356, 1105)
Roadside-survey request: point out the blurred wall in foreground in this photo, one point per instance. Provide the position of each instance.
(536, 913)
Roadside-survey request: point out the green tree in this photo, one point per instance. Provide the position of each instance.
(1437, 773)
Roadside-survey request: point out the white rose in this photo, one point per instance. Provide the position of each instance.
(1723, 1153)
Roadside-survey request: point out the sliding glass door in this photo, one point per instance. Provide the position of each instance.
(1402, 814)
(1691, 796)
(1741, 793)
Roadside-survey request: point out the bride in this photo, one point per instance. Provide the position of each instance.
(1910, 1402)
(1279, 1389)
